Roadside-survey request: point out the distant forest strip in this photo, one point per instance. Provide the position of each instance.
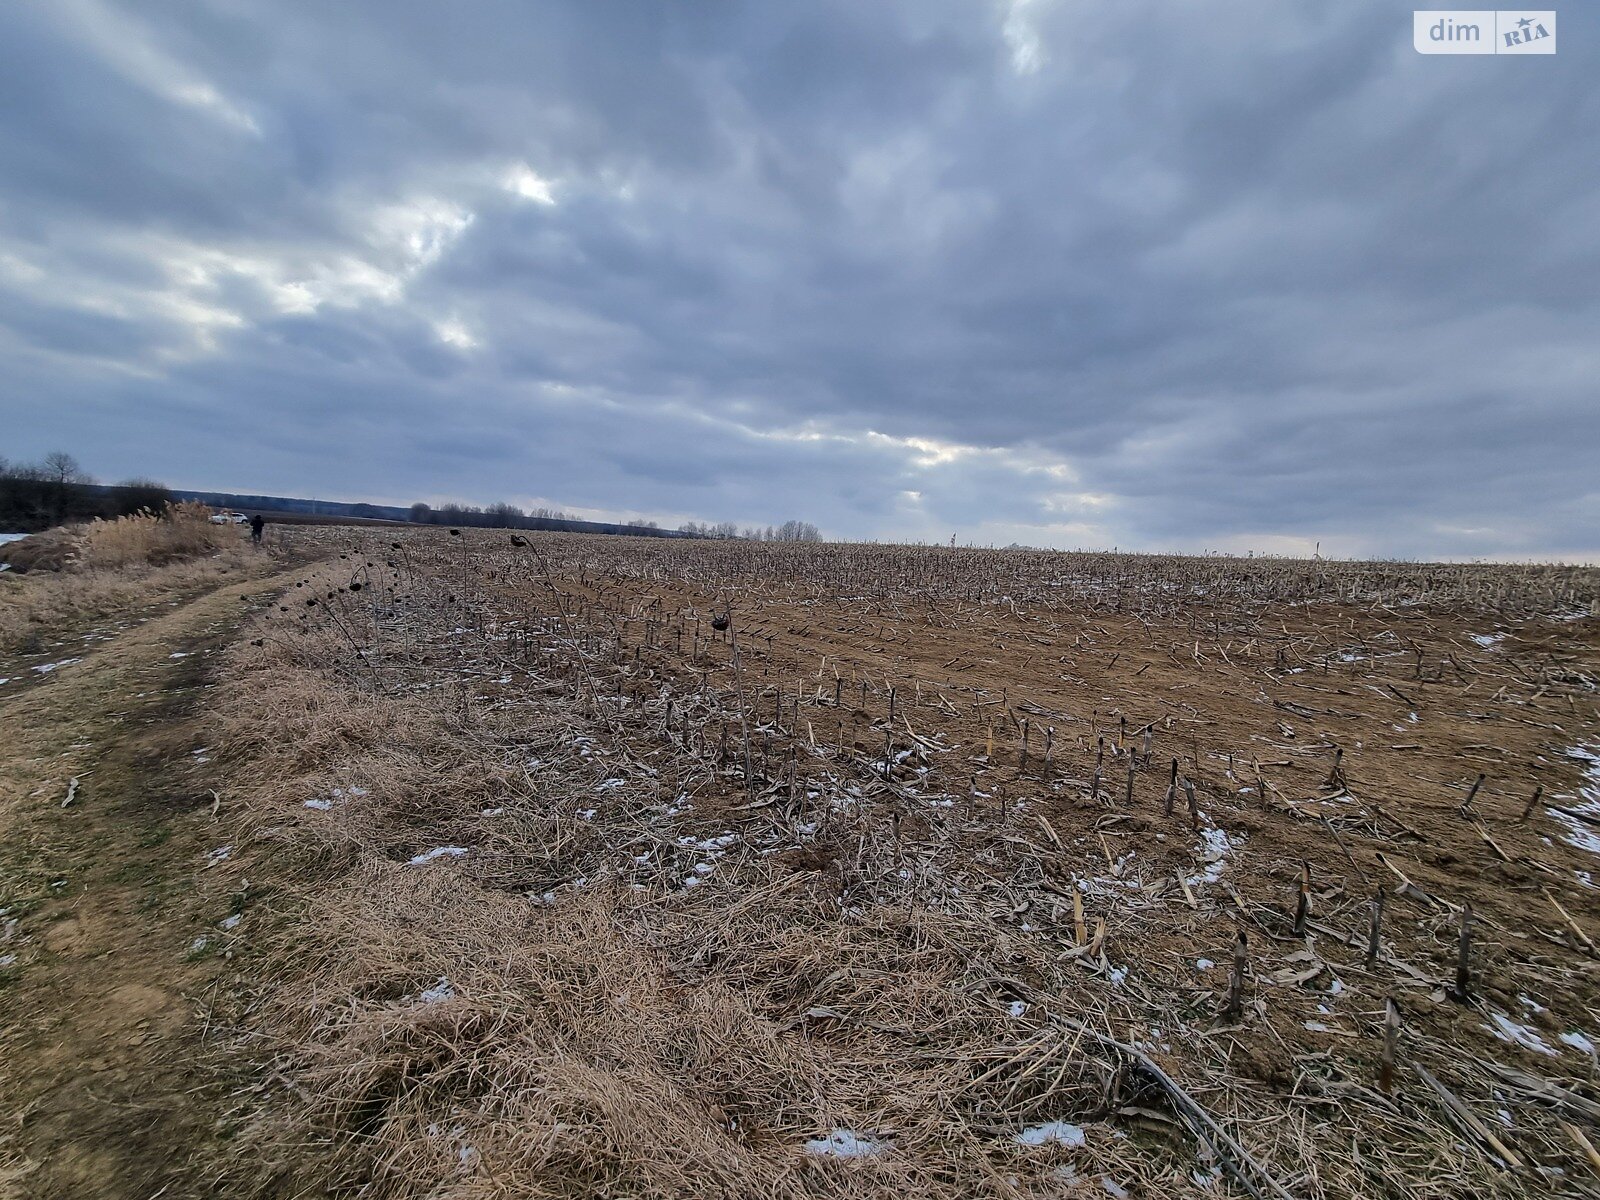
(509, 516)
(56, 491)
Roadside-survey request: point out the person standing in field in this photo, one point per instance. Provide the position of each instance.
(257, 522)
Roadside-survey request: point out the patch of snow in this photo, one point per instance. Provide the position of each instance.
(46, 668)
(1488, 640)
(1060, 1133)
(220, 854)
(320, 804)
(1578, 832)
(438, 992)
(231, 922)
(1203, 964)
(844, 1143)
(427, 856)
(1213, 851)
(1578, 1042)
(1508, 1030)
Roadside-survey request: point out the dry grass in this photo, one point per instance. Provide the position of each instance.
(182, 531)
(114, 571)
(140, 539)
(65, 577)
(629, 1035)
(649, 976)
(52, 550)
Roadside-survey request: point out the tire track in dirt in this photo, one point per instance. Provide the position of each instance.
(109, 949)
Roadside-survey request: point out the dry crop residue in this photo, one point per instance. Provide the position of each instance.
(558, 939)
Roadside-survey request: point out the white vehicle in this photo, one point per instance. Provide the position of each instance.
(229, 518)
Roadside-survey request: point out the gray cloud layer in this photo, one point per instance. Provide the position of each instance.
(1241, 275)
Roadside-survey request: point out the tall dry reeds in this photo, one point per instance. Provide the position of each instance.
(180, 531)
(114, 569)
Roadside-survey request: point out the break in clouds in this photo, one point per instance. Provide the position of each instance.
(1238, 276)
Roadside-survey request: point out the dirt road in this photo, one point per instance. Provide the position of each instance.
(112, 948)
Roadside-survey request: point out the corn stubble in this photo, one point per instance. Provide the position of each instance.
(638, 867)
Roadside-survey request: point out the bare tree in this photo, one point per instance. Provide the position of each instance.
(61, 468)
(64, 477)
(797, 531)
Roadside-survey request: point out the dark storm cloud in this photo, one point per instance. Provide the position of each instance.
(1244, 275)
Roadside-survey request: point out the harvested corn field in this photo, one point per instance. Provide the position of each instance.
(639, 868)
(623, 867)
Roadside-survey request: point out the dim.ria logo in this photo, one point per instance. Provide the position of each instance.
(1484, 31)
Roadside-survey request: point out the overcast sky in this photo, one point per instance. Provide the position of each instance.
(1158, 275)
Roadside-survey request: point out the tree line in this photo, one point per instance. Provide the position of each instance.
(789, 531)
(493, 516)
(37, 495)
(510, 516)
